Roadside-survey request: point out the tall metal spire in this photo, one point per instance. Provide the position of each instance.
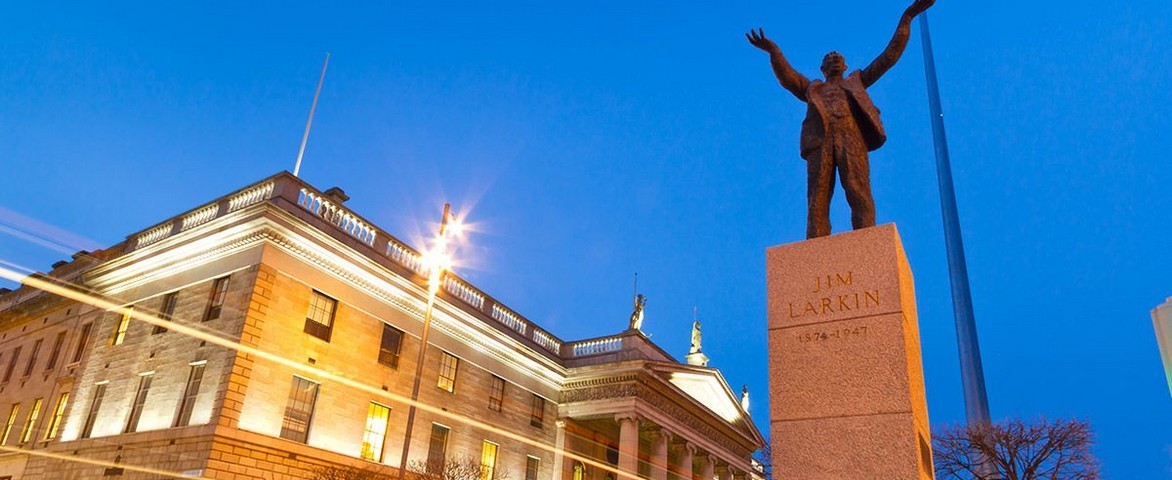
(976, 402)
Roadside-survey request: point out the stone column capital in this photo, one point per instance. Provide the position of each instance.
(659, 433)
(628, 416)
(560, 423)
(682, 446)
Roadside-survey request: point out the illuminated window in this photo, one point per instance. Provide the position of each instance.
(11, 364)
(32, 359)
(392, 342)
(496, 393)
(537, 414)
(58, 414)
(437, 448)
(579, 471)
(487, 460)
(319, 321)
(81, 342)
(187, 403)
(27, 433)
(11, 421)
(531, 466)
(375, 433)
(166, 311)
(92, 416)
(144, 387)
(299, 410)
(216, 299)
(122, 327)
(56, 353)
(447, 375)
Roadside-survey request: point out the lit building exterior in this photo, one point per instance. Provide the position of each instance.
(1162, 321)
(273, 332)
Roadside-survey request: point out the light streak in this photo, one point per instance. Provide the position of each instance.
(100, 463)
(184, 329)
(43, 234)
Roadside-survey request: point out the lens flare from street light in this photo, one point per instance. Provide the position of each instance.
(456, 227)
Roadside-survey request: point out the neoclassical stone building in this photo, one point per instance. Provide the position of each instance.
(272, 332)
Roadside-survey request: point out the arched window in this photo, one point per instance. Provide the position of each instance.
(579, 471)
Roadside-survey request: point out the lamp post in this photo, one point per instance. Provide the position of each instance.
(438, 261)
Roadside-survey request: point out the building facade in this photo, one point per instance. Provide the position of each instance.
(273, 333)
(1162, 322)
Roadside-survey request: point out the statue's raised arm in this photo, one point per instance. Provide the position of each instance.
(895, 47)
(789, 78)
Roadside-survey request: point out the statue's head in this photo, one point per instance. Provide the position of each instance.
(833, 65)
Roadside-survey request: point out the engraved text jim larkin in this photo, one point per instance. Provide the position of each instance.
(836, 294)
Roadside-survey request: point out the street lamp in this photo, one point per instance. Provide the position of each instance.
(438, 261)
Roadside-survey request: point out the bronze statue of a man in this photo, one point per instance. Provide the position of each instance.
(841, 124)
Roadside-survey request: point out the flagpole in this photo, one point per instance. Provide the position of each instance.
(312, 109)
(976, 402)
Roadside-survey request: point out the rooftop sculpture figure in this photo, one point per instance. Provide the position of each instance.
(841, 124)
(695, 337)
(637, 315)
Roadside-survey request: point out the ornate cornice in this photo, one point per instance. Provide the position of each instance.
(594, 382)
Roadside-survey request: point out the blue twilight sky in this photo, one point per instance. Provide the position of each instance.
(593, 140)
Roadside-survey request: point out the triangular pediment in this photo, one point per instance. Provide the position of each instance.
(706, 387)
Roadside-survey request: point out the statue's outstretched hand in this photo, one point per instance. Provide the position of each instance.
(917, 8)
(758, 39)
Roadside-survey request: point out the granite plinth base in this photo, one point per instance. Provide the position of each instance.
(846, 388)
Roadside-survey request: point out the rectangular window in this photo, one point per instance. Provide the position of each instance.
(58, 414)
(123, 325)
(437, 448)
(56, 353)
(447, 374)
(299, 410)
(375, 433)
(144, 387)
(531, 466)
(27, 433)
(216, 300)
(95, 405)
(496, 393)
(11, 364)
(166, 311)
(11, 421)
(319, 320)
(32, 359)
(388, 351)
(187, 403)
(81, 342)
(537, 414)
(487, 460)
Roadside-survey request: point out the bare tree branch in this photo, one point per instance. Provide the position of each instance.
(1019, 450)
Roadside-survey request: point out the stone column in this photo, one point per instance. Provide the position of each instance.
(559, 447)
(660, 439)
(706, 466)
(628, 443)
(724, 472)
(683, 465)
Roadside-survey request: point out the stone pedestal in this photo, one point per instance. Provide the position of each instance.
(846, 384)
(697, 358)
